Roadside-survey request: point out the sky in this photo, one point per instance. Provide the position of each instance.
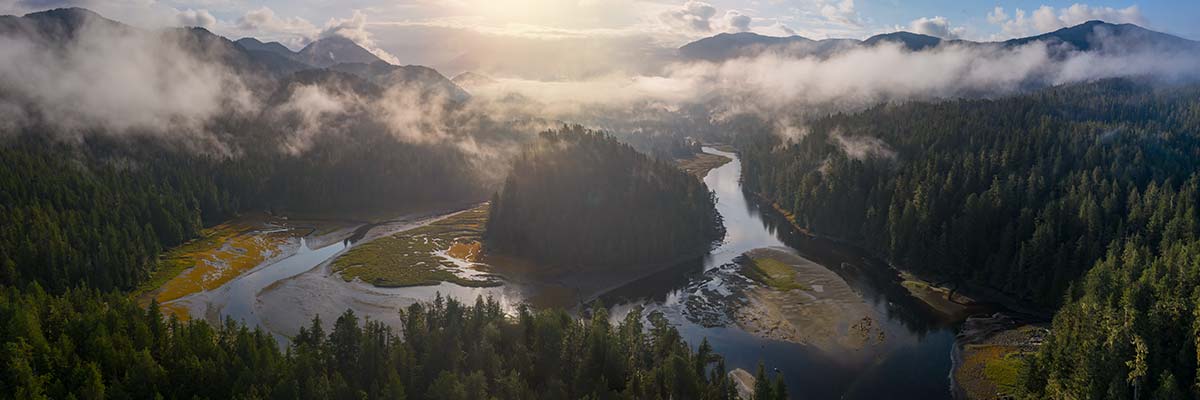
(520, 34)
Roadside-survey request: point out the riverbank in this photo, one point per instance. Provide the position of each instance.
(989, 353)
(700, 163)
(222, 253)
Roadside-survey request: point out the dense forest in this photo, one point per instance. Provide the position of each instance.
(1026, 195)
(1021, 194)
(84, 345)
(579, 198)
(1132, 329)
(98, 213)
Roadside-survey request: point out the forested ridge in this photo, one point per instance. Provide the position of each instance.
(579, 198)
(1022, 194)
(99, 213)
(1026, 195)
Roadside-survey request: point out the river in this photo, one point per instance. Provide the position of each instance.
(912, 358)
(908, 354)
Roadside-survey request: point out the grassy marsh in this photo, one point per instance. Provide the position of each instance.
(423, 256)
(222, 253)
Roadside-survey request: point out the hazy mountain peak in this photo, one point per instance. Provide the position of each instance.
(253, 44)
(911, 41)
(1092, 35)
(332, 50)
(731, 45)
(1103, 36)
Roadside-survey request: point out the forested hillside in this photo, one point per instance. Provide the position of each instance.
(1021, 194)
(89, 346)
(1083, 197)
(579, 198)
(99, 213)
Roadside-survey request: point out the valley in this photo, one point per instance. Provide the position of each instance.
(232, 201)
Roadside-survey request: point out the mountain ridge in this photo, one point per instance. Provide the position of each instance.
(1093, 35)
(61, 26)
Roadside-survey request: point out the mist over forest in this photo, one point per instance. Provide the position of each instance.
(715, 213)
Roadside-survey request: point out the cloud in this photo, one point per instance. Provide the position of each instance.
(1046, 18)
(693, 17)
(200, 18)
(264, 24)
(354, 28)
(841, 12)
(861, 147)
(737, 21)
(121, 82)
(936, 26)
(789, 89)
(314, 110)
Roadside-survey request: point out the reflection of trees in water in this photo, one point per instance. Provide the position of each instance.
(871, 278)
(657, 286)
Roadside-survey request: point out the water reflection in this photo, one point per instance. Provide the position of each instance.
(913, 362)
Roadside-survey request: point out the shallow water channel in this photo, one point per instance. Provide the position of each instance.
(908, 351)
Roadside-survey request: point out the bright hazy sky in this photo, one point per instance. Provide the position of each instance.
(439, 31)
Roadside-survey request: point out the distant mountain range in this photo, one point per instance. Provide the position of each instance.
(59, 27)
(1089, 36)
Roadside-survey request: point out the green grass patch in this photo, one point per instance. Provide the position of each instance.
(174, 261)
(411, 258)
(1003, 371)
(772, 273)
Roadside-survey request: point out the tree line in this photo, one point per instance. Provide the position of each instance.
(1021, 194)
(87, 345)
(1082, 197)
(579, 198)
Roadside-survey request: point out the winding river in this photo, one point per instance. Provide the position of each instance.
(904, 350)
(909, 352)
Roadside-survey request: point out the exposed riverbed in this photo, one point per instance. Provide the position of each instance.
(849, 330)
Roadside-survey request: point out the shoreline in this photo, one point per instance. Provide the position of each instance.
(981, 295)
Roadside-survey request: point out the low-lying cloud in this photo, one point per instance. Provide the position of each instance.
(117, 81)
(780, 87)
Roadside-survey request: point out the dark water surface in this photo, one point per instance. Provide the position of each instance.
(913, 362)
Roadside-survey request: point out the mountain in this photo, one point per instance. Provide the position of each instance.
(911, 41)
(1089, 36)
(428, 80)
(57, 25)
(733, 45)
(275, 56)
(253, 44)
(334, 50)
(1103, 36)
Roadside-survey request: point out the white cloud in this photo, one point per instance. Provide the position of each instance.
(737, 21)
(200, 18)
(1047, 18)
(263, 23)
(693, 16)
(841, 12)
(121, 81)
(936, 26)
(354, 28)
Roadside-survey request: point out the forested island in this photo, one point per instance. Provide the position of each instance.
(580, 199)
(1026, 195)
